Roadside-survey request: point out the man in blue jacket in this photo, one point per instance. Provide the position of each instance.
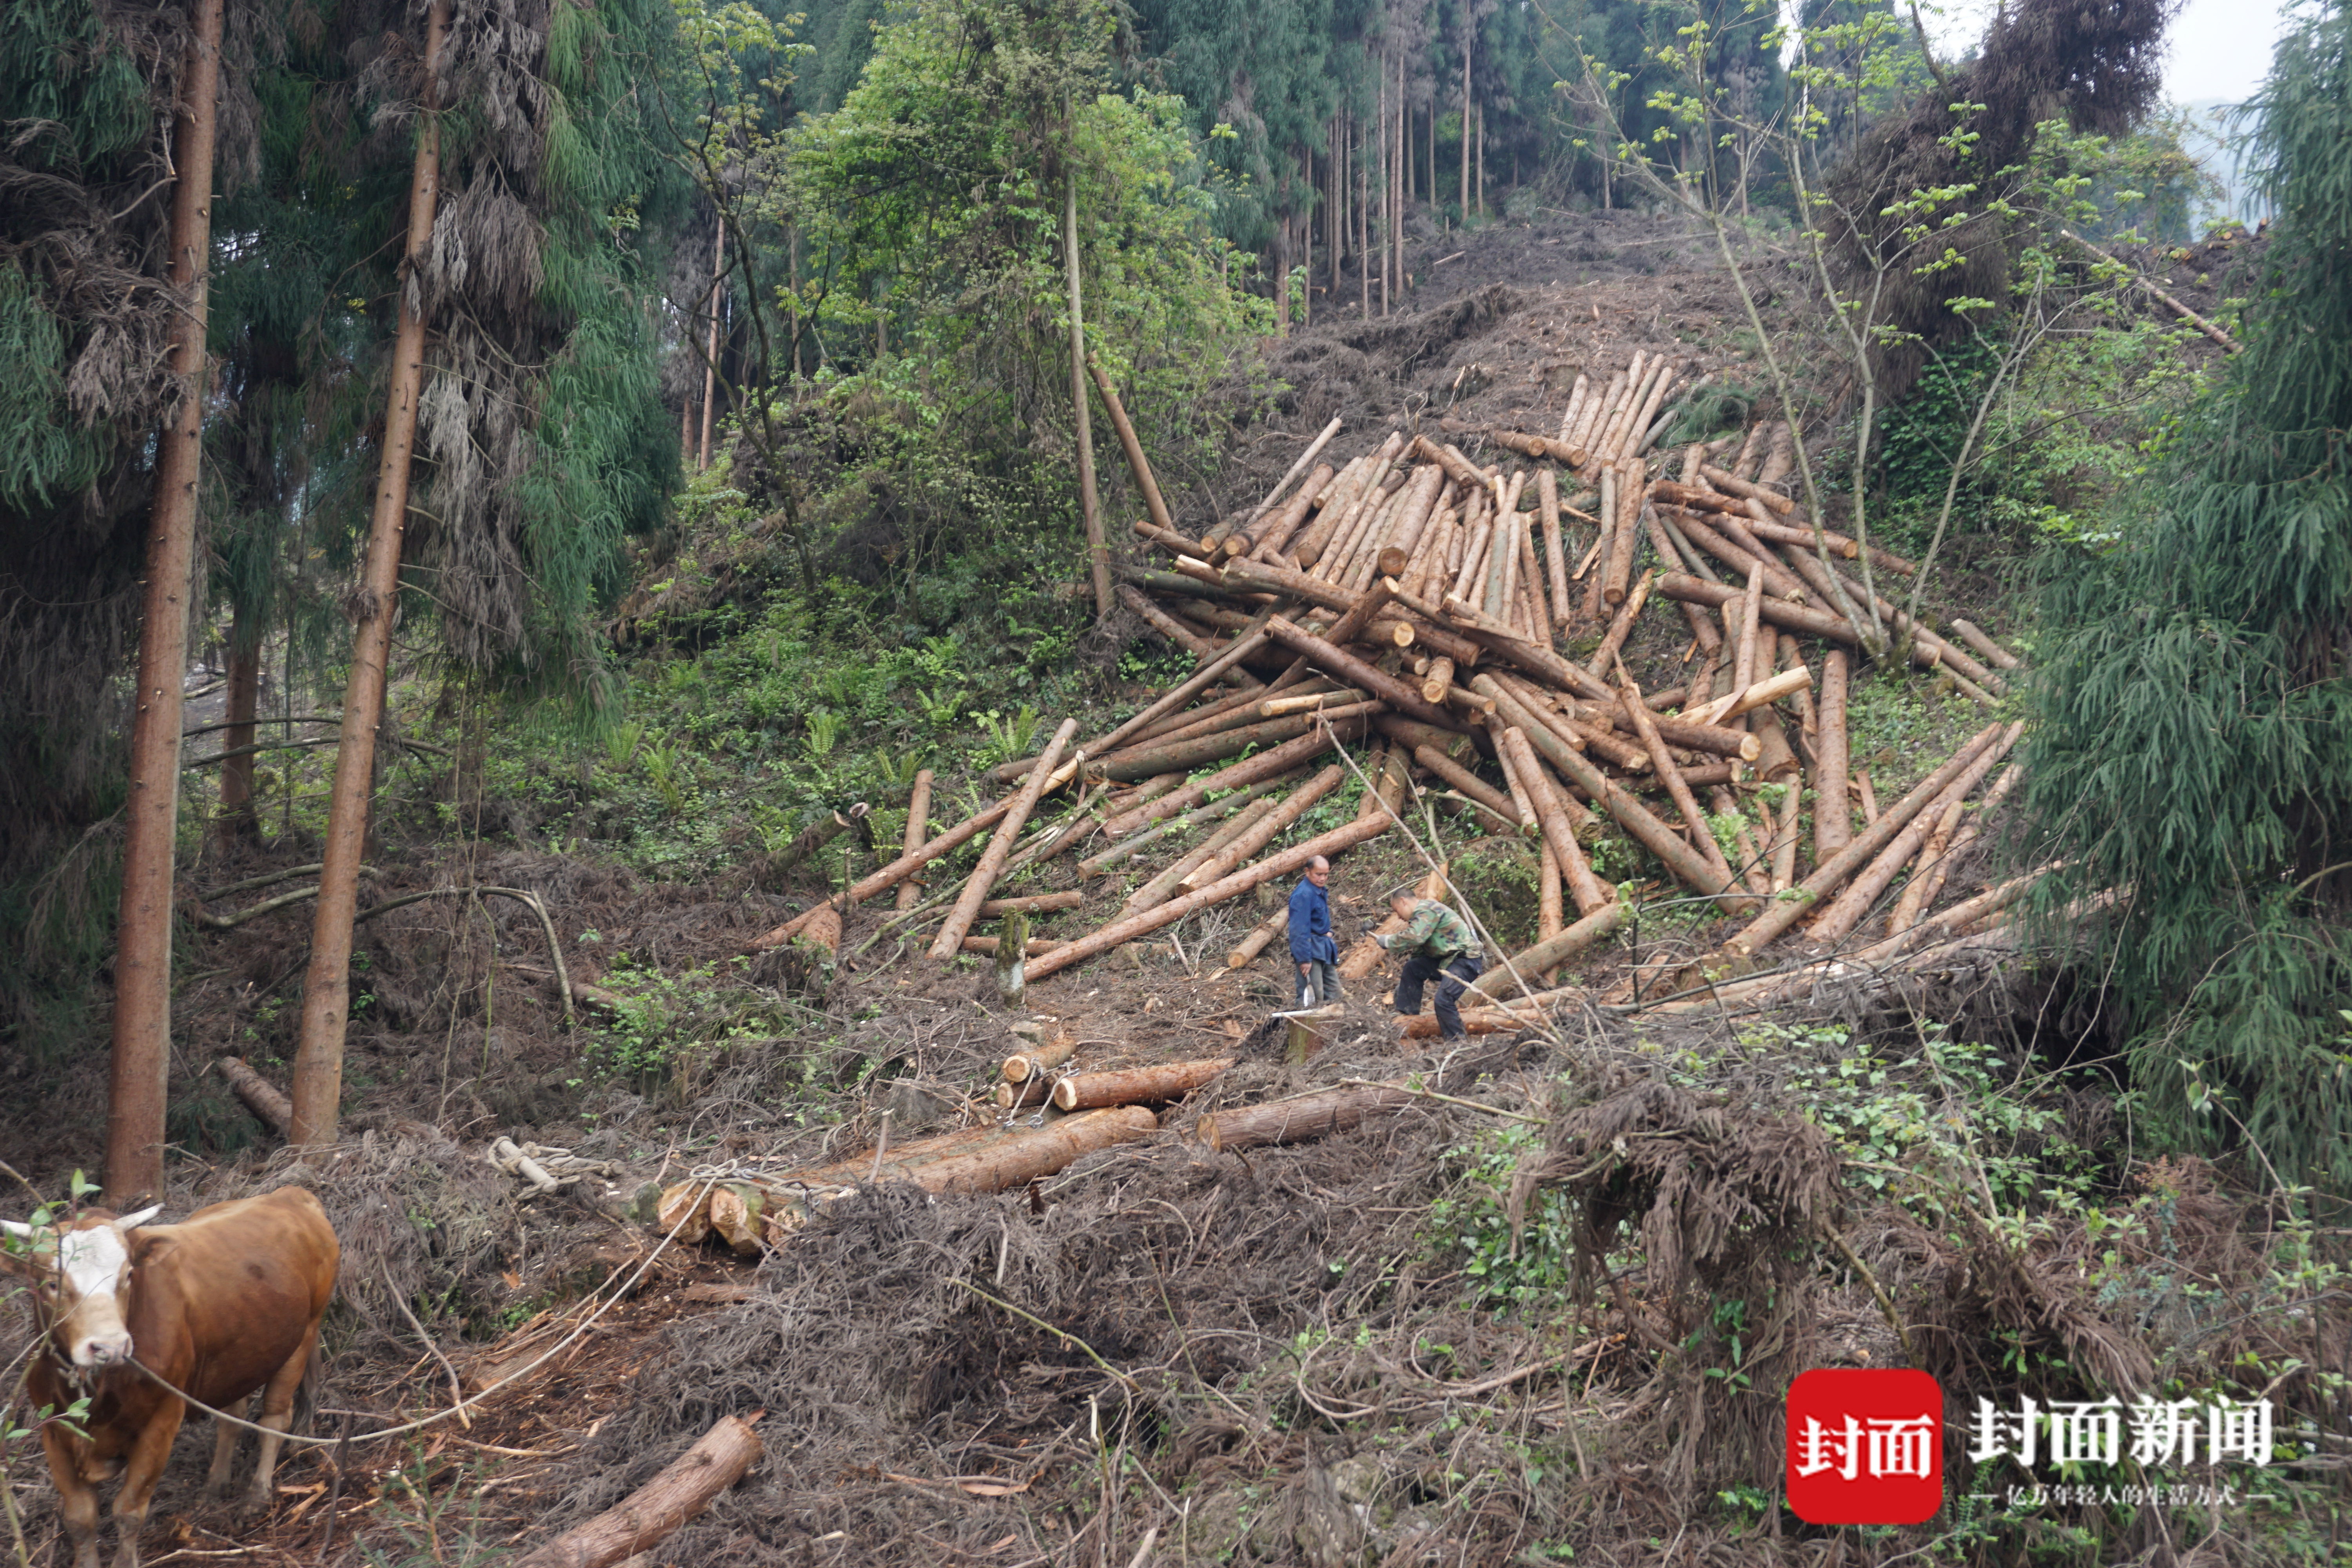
(1311, 948)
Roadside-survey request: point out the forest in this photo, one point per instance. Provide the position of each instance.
(697, 661)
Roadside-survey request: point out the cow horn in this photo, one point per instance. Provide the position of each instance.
(133, 1221)
(16, 1227)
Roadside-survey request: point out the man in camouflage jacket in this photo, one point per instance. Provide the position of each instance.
(1439, 945)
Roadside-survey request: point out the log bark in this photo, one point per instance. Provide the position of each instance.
(1453, 743)
(1762, 693)
(1559, 830)
(1135, 462)
(652, 1513)
(958, 925)
(1167, 626)
(1511, 743)
(1039, 1060)
(1826, 624)
(1938, 844)
(326, 985)
(1459, 777)
(1300, 1119)
(1498, 982)
(1124, 931)
(1621, 625)
(918, 811)
(1265, 540)
(1851, 906)
(1011, 957)
(1136, 1086)
(1832, 818)
(1927, 649)
(1832, 873)
(1298, 467)
(1265, 830)
(1624, 534)
(1938, 873)
(1554, 547)
(260, 1096)
(988, 946)
(1662, 761)
(1035, 1152)
(1030, 903)
(141, 1064)
(1265, 931)
(1345, 725)
(1200, 680)
(1738, 559)
(1549, 903)
(1350, 670)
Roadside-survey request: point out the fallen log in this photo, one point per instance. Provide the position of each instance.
(1762, 693)
(1832, 818)
(1270, 534)
(1300, 1118)
(1500, 979)
(1796, 618)
(1916, 886)
(1558, 832)
(1941, 869)
(1136, 1086)
(1831, 874)
(1621, 625)
(918, 810)
(1738, 557)
(1554, 547)
(1265, 830)
(1459, 777)
(1030, 903)
(1298, 467)
(987, 946)
(1155, 758)
(966, 909)
(1345, 725)
(259, 1095)
(1927, 649)
(1971, 634)
(1662, 761)
(652, 1513)
(1124, 931)
(1169, 627)
(1537, 447)
(1265, 931)
(1039, 1151)
(1135, 462)
(1834, 924)
(1160, 887)
(1132, 849)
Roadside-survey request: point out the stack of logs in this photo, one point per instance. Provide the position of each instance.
(1405, 617)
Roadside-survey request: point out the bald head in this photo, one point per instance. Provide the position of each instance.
(1319, 871)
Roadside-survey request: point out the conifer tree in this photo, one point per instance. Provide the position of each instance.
(2194, 750)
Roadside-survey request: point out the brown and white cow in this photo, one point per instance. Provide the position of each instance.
(226, 1302)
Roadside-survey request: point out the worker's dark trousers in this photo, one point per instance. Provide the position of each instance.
(1452, 979)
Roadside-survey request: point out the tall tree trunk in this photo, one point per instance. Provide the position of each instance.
(1396, 186)
(243, 703)
(1335, 223)
(1363, 229)
(711, 357)
(142, 1062)
(327, 985)
(1387, 174)
(1098, 551)
(1281, 278)
(1464, 195)
(1481, 161)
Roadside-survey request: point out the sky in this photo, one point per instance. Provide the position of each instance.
(2219, 49)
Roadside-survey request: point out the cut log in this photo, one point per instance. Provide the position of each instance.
(1937, 873)
(652, 1513)
(1453, 743)
(1537, 447)
(1621, 625)
(1023, 1094)
(1266, 830)
(1266, 539)
(824, 928)
(1345, 725)
(1127, 929)
(958, 925)
(1938, 844)
(1558, 832)
(1135, 462)
(1762, 693)
(985, 946)
(1038, 1060)
(918, 810)
(1500, 981)
(1039, 1151)
(1298, 467)
(1554, 547)
(259, 1095)
(1302, 1117)
(1160, 888)
(1662, 761)
(1624, 534)
(1265, 931)
(1832, 873)
(1030, 903)
(1549, 903)
(1510, 745)
(1826, 624)
(1136, 1086)
(1350, 670)
(1631, 814)
(1779, 582)
(1438, 681)
(1459, 777)
(1969, 633)
(1832, 818)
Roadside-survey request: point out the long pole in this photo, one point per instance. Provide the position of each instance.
(141, 1061)
(1098, 551)
(710, 359)
(327, 985)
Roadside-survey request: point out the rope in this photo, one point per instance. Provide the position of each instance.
(709, 1178)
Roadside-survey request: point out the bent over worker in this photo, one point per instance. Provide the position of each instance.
(1439, 946)
(1312, 951)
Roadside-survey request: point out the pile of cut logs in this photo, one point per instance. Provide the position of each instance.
(1421, 621)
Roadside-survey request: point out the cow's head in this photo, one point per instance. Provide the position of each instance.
(80, 1273)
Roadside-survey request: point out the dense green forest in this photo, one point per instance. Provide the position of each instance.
(511, 509)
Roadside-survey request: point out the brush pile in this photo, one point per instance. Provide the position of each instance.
(1462, 629)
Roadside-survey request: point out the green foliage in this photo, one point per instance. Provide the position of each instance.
(2194, 749)
(1469, 1228)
